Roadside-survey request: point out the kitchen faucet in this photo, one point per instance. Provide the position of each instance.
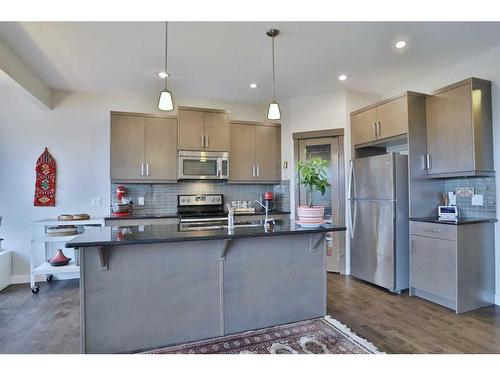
(267, 220)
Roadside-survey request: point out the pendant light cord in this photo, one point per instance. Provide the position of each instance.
(274, 76)
(166, 50)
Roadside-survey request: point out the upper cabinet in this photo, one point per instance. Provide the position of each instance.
(363, 126)
(380, 121)
(255, 152)
(459, 130)
(203, 130)
(143, 148)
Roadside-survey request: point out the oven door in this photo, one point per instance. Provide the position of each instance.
(201, 165)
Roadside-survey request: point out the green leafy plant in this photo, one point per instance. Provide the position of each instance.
(312, 175)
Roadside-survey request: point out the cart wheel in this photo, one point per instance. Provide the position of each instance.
(35, 290)
(49, 278)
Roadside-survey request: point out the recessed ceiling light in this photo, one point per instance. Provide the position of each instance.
(163, 75)
(254, 85)
(342, 77)
(400, 44)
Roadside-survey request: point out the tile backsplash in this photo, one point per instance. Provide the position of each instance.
(162, 198)
(482, 185)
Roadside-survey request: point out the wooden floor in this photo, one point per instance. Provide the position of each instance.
(403, 324)
(49, 321)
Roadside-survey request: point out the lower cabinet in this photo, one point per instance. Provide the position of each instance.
(453, 265)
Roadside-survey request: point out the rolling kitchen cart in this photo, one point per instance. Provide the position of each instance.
(40, 238)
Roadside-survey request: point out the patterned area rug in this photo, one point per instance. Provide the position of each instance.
(317, 336)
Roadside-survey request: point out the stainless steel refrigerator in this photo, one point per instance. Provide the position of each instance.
(378, 197)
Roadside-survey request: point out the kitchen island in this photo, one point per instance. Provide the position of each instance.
(143, 287)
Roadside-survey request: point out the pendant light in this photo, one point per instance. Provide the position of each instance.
(273, 113)
(165, 103)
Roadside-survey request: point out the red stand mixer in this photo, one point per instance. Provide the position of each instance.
(123, 206)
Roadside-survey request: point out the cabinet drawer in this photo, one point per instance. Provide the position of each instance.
(441, 231)
(433, 266)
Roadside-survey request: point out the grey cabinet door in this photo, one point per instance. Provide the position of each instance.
(161, 149)
(393, 118)
(363, 126)
(216, 131)
(127, 147)
(450, 142)
(433, 266)
(268, 153)
(242, 153)
(191, 130)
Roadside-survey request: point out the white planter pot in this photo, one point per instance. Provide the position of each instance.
(311, 215)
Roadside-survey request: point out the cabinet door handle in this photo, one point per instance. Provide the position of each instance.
(253, 171)
(375, 129)
(429, 161)
(202, 141)
(142, 169)
(206, 141)
(258, 171)
(379, 129)
(147, 169)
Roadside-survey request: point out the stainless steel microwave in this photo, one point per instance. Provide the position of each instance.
(203, 165)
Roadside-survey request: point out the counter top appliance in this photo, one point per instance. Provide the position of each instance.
(203, 165)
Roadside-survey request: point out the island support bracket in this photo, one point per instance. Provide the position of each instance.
(320, 240)
(103, 258)
(225, 248)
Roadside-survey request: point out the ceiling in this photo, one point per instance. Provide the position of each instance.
(218, 60)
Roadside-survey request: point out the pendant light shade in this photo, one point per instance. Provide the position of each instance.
(165, 102)
(273, 112)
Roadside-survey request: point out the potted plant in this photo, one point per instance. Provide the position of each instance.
(312, 175)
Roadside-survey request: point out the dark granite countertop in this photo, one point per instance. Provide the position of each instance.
(147, 234)
(460, 221)
(174, 216)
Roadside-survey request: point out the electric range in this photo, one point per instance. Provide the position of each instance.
(201, 212)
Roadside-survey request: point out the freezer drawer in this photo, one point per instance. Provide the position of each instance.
(373, 240)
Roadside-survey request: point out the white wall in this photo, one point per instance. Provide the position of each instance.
(319, 112)
(483, 66)
(76, 133)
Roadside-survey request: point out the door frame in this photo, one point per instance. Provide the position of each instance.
(317, 134)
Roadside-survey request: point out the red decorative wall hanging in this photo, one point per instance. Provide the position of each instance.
(45, 184)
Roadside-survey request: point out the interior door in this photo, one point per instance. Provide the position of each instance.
(372, 243)
(216, 131)
(330, 149)
(242, 152)
(268, 152)
(127, 147)
(191, 130)
(161, 149)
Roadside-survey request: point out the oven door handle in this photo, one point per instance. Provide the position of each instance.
(202, 219)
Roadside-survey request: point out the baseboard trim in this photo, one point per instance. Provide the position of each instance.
(24, 279)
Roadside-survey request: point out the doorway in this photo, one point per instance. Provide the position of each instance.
(327, 145)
